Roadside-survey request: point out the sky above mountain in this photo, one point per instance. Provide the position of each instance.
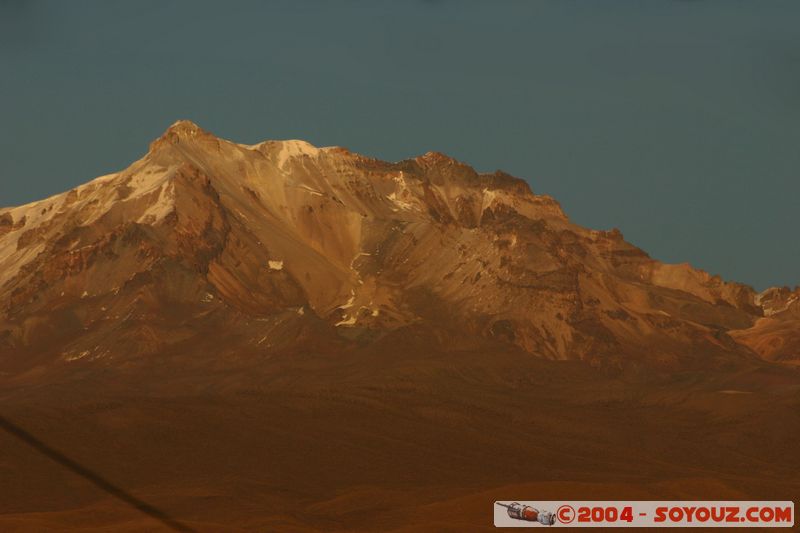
(676, 121)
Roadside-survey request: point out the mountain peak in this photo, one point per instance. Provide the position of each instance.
(184, 127)
(181, 130)
(436, 158)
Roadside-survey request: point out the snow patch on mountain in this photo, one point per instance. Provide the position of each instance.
(401, 204)
(162, 207)
(295, 148)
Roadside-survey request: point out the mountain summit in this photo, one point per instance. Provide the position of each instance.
(284, 246)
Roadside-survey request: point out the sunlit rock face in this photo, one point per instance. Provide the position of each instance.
(283, 246)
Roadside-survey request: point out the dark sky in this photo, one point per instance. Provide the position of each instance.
(677, 121)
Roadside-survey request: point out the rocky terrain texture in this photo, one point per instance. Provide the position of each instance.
(280, 337)
(776, 335)
(282, 245)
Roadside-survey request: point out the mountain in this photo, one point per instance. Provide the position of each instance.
(282, 245)
(776, 336)
(280, 337)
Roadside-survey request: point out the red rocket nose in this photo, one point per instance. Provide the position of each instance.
(529, 513)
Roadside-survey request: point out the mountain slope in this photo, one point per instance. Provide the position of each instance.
(283, 246)
(287, 338)
(776, 336)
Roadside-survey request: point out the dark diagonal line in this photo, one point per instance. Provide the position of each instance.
(97, 480)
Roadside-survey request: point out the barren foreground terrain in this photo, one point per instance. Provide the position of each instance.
(404, 438)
